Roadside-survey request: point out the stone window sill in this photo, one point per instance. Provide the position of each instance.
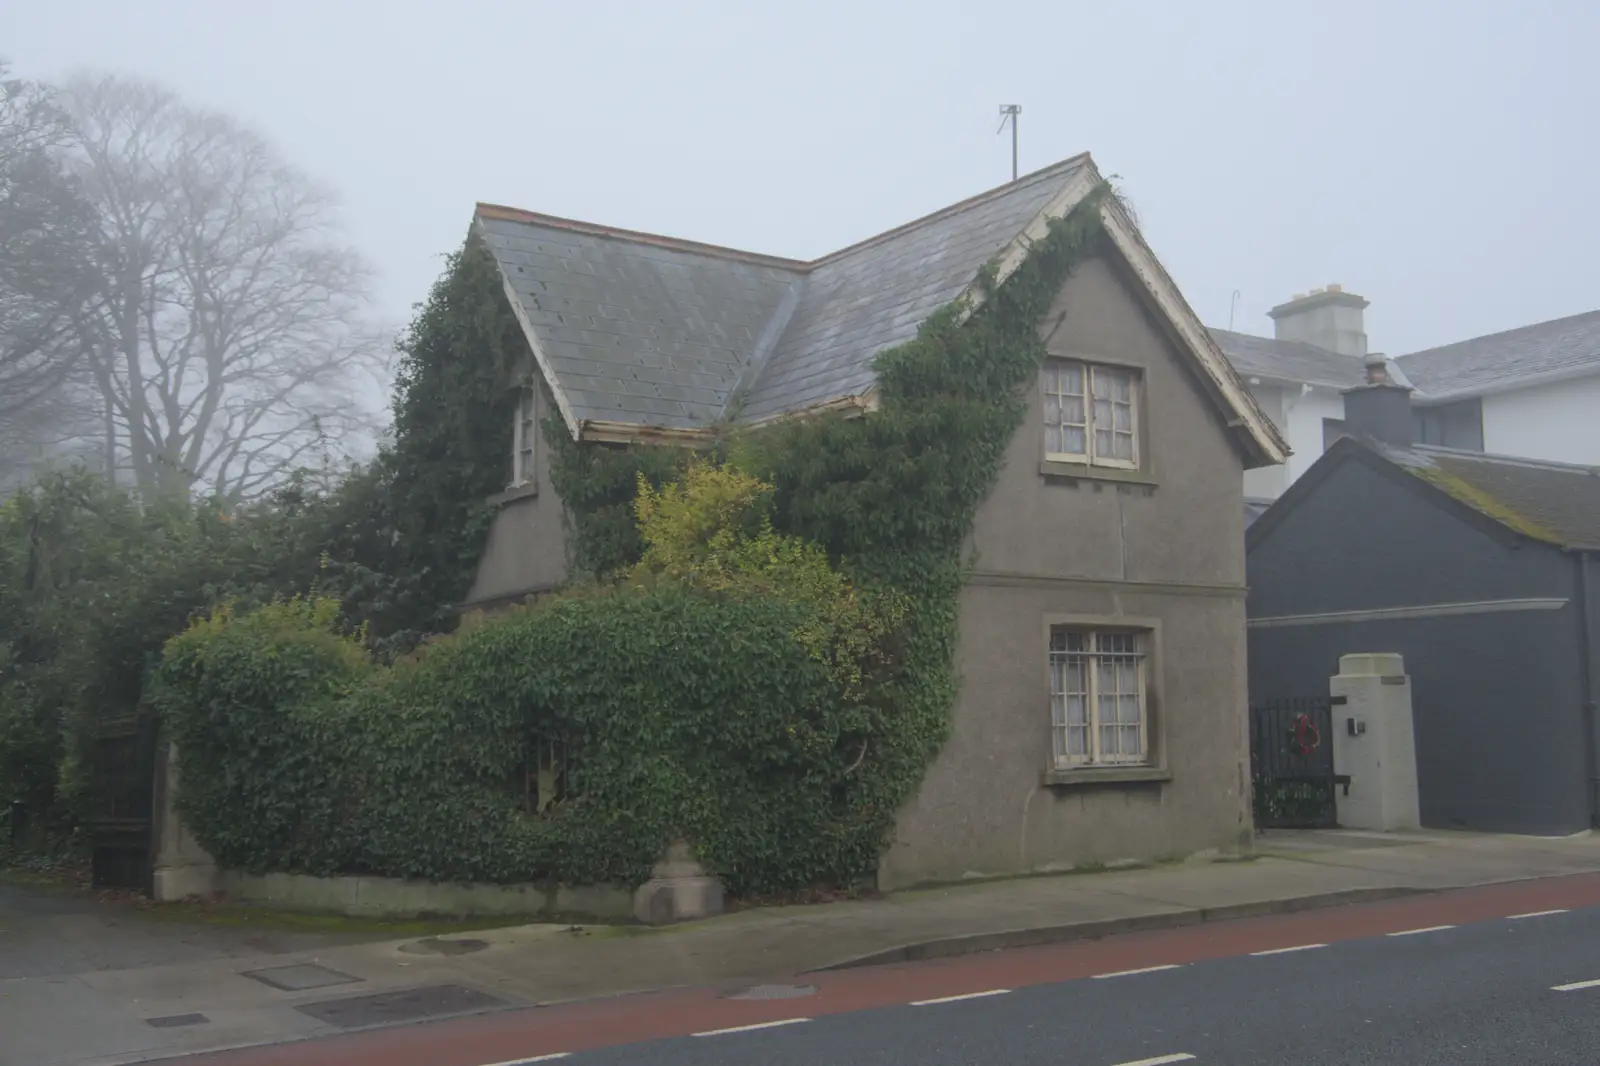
(1082, 471)
(1106, 775)
(515, 492)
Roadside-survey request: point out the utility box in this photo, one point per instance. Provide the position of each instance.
(1375, 745)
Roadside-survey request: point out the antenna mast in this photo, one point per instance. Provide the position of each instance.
(1009, 113)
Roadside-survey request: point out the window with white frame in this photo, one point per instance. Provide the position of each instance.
(524, 439)
(1091, 414)
(1097, 697)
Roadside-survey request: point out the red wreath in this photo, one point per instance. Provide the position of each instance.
(1307, 738)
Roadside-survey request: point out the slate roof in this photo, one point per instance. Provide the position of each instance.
(1288, 361)
(1558, 503)
(874, 295)
(1501, 361)
(649, 338)
(637, 330)
(656, 331)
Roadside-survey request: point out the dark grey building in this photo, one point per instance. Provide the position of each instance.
(1481, 570)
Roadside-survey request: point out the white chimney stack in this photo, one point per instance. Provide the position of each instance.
(1329, 318)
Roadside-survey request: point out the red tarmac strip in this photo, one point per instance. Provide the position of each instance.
(509, 1036)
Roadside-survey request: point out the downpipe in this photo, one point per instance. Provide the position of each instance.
(1591, 702)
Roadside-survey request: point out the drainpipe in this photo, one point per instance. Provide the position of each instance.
(1591, 674)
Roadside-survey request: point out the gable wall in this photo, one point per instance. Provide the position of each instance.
(1166, 556)
(527, 547)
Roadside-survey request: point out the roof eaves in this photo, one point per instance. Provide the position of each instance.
(1499, 385)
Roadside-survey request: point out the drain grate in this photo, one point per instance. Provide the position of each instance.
(773, 992)
(301, 978)
(434, 946)
(175, 1021)
(388, 1008)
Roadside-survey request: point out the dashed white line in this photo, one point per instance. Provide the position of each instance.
(537, 1058)
(752, 1028)
(1285, 951)
(1425, 929)
(1130, 973)
(1160, 1061)
(1535, 914)
(1576, 986)
(958, 999)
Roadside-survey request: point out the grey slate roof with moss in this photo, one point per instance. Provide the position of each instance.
(650, 330)
(1557, 503)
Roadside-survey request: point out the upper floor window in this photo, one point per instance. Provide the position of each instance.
(525, 439)
(1091, 414)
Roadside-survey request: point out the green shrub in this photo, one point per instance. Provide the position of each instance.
(721, 695)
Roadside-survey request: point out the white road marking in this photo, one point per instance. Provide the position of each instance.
(752, 1028)
(1285, 951)
(1576, 986)
(1535, 914)
(1161, 1061)
(958, 999)
(1130, 973)
(1425, 929)
(537, 1058)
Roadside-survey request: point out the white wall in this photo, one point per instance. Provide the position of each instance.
(1559, 422)
(1299, 415)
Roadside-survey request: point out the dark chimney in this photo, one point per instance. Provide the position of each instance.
(1380, 409)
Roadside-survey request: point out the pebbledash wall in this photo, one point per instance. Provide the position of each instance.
(1162, 550)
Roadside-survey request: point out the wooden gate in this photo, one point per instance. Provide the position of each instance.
(1292, 774)
(122, 803)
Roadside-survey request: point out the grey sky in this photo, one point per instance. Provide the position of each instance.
(1439, 158)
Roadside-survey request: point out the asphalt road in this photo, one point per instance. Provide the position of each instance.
(1462, 977)
(1481, 993)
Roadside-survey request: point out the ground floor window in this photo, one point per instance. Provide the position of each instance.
(1097, 697)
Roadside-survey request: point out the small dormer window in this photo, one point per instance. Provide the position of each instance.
(1091, 414)
(525, 439)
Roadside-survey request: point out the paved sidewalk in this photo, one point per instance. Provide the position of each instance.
(100, 1014)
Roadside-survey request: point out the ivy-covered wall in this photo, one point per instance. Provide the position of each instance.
(764, 717)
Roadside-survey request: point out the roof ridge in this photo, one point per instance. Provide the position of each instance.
(536, 218)
(1507, 460)
(517, 214)
(1500, 333)
(1062, 166)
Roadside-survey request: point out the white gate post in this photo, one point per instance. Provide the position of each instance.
(1374, 744)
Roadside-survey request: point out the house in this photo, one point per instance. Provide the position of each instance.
(1102, 714)
(1527, 392)
(1483, 572)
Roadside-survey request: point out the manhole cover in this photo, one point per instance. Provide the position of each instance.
(174, 1021)
(387, 1008)
(773, 992)
(300, 978)
(434, 946)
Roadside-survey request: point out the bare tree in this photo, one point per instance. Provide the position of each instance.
(46, 280)
(228, 341)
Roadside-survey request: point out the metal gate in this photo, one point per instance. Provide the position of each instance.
(122, 783)
(1292, 774)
